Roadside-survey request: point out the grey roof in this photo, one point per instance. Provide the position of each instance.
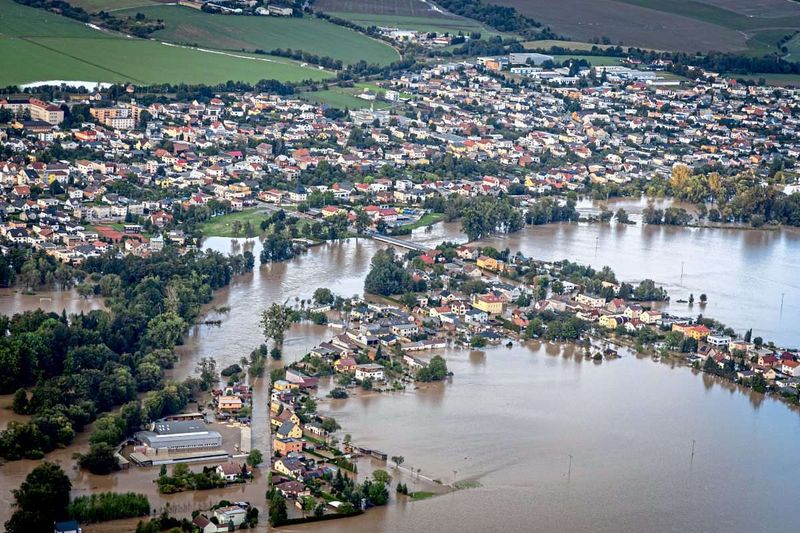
(286, 427)
(172, 427)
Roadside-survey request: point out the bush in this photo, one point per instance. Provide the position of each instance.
(100, 460)
(108, 506)
(338, 393)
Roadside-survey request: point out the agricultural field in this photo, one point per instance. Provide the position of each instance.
(426, 24)
(684, 25)
(782, 80)
(94, 6)
(793, 49)
(190, 26)
(417, 15)
(402, 8)
(572, 45)
(39, 46)
(599, 61)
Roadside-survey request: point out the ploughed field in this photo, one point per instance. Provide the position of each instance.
(309, 34)
(686, 25)
(36, 45)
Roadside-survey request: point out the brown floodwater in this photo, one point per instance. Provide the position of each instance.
(14, 300)
(745, 273)
(509, 419)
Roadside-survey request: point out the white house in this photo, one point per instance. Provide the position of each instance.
(229, 471)
(232, 514)
(370, 371)
(718, 340)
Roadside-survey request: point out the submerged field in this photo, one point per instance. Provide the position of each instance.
(309, 34)
(36, 45)
(685, 25)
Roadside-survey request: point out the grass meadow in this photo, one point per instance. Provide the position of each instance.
(310, 34)
(38, 46)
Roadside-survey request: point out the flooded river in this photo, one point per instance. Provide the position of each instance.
(745, 273)
(510, 419)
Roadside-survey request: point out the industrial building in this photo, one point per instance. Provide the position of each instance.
(529, 58)
(179, 435)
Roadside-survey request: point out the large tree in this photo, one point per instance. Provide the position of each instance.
(387, 275)
(275, 321)
(40, 500)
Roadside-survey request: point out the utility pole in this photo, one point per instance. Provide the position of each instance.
(569, 470)
(782, 295)
(693, 441)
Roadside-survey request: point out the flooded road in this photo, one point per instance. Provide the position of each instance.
(510, 418)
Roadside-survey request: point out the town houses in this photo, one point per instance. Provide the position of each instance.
(220, 154)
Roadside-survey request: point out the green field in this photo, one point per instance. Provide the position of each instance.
(771, 79)
(36, 45)
(345, 97)
(94, 6)
(222, 226)
(571, 45)
(428, 219)
(793, 49)
(600, 61)
(227, 32)
(342, 98)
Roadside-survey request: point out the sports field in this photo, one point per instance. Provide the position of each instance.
(309, 34)
(36, 45)
(342, 98)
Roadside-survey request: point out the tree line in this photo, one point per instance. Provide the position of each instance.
(67, 370)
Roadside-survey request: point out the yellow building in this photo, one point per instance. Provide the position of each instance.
(488, 304)
(288, 468)
(285, 415)
(489, 263)
(609, 321)
(282, 385)
(695, 332)
(289, 430)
